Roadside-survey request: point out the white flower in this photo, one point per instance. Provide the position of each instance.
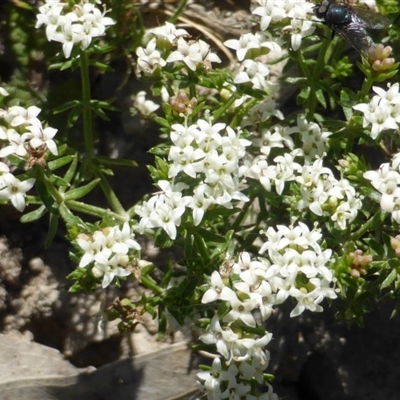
(77, 27)
(169, 32)
(43, 136)
(185, 159)
(298, 29)
(378, 114)
(146, 107)
(107, 251)
(217, 286)
(14, 190)
(164, 210)
(69, 35)
(270, 11)
(306, 301)
(16, 143)
(254, 72)
(17, 116)
(241, 310)
(249, 42)
(107, 265)
(200, 203)
(224, 339)
(264, 110)
(3, 92)
(149, 58)
(192, 54)
(254, 348)
(213, 379)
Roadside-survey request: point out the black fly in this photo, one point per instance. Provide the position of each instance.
(351, 23)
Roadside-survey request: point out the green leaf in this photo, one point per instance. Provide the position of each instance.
(148, 269)
(61, 65)
(74, 115)
(66, 106)
(70, 174)
(79, 192)
(162, 122)
(389, 279)
(101, 113)
(45, 196)
(105, 105)
(34, 215)
(59, 162)
(70, 219)
(188, 246)
(304, 95)
(58, 181)
(123, 162)
(209, 236)
(53, 227)
(382, 77)
(294, 81)
(319, 94)
(101, 66)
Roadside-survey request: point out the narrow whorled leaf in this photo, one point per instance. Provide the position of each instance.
(70, 174)
(117, 161)
(53, 227)
(59, 162)
(79, 192)
(389, 279)
(34, 215)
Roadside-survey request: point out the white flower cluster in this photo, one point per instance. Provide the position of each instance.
(159, 50)
(279, 10)
(387, 182)
(254, 44)
(21, 134)
(320, 190)
(74, 28)
(383, 111)
(296, 267)
(209, 158)
(107, 250)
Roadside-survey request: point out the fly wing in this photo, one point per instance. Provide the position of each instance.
(372, 19)
(356, 34)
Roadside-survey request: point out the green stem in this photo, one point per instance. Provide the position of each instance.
(87, 110)
(313, 78)
(178, 11)
(112, 198)
(93, 210)
(366, 87)
(225, 107)
(88, 135)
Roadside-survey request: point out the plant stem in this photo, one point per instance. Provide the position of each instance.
(88, 135)
(93, 210)
(225, 106)
(87, 110)
(178, 11)
(366, 87)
